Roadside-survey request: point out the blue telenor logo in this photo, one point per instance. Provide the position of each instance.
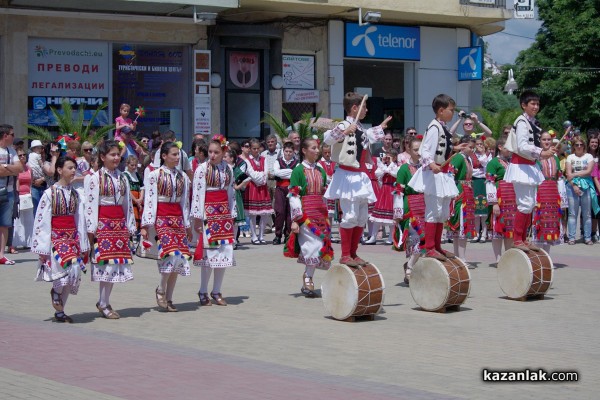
(383, 42)
(470, 63)
(39, 103)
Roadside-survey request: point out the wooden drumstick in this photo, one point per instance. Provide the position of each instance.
(362, 106)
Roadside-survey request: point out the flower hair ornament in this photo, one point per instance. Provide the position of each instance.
(221, 139)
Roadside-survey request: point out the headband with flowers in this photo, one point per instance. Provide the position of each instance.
(221, 139)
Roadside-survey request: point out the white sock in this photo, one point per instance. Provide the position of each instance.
(461, 246)
(164, 278)
(262, 225)
(477, 225)
(375, 229)
(309, 271)
(218, 280)
(497, 247)
(171, 285)
(66, 291)
(413, 260)
(252, 228)
(205, 273)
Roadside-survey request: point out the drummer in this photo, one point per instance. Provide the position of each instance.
(433, 179)
(523, 171)
(350, 184)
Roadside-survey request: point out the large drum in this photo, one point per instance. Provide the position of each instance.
(524, 274)
(435, 285)
(352, 292)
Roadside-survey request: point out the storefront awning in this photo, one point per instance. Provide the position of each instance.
(166, 8)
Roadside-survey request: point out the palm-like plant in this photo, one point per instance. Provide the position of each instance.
(67, 125)
(497, 121)
(306, 127)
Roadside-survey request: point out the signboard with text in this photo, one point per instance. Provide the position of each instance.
(470, 63)
(383, 42)
(298, 71)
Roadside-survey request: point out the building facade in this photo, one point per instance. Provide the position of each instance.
(215, 66)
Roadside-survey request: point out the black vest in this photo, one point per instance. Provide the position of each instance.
(536, 130)
(282, 165)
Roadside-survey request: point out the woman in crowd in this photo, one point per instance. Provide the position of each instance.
(23, 224)
(199, 153)
(309, 215)
(581, 190)
(214, 209)
(38, 182)
(61, 238)
(593, 139)
(166, 207)
(110, 220)
(383, 212)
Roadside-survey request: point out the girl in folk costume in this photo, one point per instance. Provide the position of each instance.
(329, 166)
(501, 200)
(461, 225)
(433, 179)
(110, 220)
(409, 210)
(350, 184)
(547, 213)
(383, 212)
(480, 158)
(214, 209)
(309, 216)
(136, 185)
(231, 158)
(522, 171)
(60, 237)
(256, 197)
(167, 209)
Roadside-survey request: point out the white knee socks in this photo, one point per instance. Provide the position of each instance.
(252, 228)
(219, 274)
(309, 271)
(205, 273)
(171, 285)
(105, 290)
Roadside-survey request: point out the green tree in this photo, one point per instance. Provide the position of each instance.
(67, 124)
(562, 65)
(494, 99)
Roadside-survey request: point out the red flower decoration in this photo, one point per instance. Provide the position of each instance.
(420, 137)
(483, 137)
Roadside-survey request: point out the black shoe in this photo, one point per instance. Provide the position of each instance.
(62, 317)
(277, 240)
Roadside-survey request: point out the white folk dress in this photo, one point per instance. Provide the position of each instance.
(60, 202)
(168, 187)
(214, 204)
(109, 189)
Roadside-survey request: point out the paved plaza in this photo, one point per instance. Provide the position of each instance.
(272, 343)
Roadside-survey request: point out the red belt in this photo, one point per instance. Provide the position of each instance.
(347, 168)
(517, 159)
(283, 182)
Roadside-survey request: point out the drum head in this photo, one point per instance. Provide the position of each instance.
(515, 273)
(340, 292)
(429, 284)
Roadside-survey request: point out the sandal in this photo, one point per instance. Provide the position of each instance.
(62, 317)
(589, 243)
(255, 241)
(161, 300)
(6, 261)
(171, 307)
(217, 297)
(12, 250)
(204, 299)
(57, 302)
(107, 312)
(571, 242)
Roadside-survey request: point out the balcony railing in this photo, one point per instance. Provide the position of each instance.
(484, 3)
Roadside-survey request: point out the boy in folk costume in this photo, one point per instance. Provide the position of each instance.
(282, 171)
(434, 180)
(523, 172)
(350, 184)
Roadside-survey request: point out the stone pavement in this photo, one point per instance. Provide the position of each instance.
(272, 343)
